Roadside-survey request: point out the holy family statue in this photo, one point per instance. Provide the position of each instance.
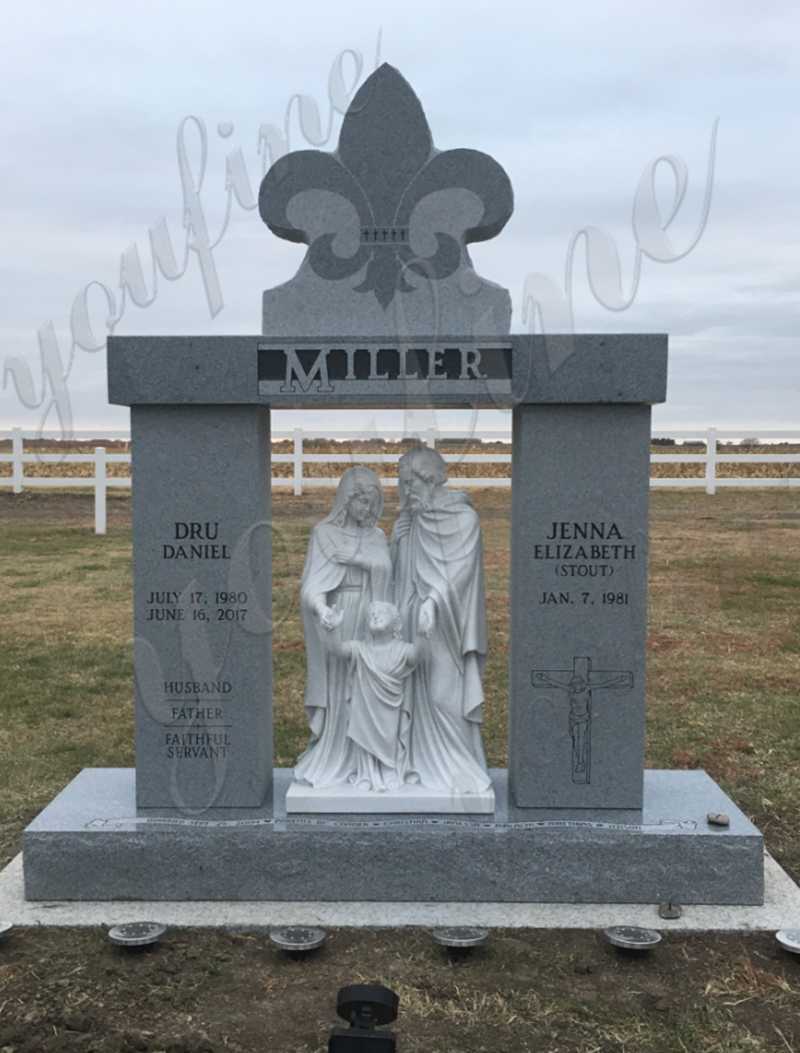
(395, 636)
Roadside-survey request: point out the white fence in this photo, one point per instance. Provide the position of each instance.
(100, 480)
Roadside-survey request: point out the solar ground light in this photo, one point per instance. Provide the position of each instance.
(460, 940)
(789, 939)
(137, 935)
(632, 938)
(366, 1007)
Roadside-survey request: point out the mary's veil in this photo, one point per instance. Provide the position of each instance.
(359, 477)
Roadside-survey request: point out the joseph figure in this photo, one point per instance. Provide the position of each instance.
(437, 558)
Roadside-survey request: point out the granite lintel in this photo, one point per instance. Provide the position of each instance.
(237, 370)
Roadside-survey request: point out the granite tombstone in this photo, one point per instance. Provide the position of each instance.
(386, 310)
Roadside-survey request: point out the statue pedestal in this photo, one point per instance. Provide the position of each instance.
(406, 800)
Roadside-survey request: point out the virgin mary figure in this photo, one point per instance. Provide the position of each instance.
(347, 567)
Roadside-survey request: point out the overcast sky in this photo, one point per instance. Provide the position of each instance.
(575, 100)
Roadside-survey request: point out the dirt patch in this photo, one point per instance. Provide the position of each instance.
(63, 508)
(208, 992)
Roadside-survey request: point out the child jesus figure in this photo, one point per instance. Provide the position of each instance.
(380, 715)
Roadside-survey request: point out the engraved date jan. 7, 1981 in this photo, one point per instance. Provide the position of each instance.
(585, 599)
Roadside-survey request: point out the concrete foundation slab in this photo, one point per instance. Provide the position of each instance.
(781, 909)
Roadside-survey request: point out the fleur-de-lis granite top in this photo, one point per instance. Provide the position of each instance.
(387, 219)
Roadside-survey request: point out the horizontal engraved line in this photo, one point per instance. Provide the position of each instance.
(188, 727)
(292, 823)
(196, 698)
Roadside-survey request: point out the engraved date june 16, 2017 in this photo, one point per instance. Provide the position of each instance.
(583, 599)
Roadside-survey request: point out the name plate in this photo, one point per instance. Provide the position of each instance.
(291, 370)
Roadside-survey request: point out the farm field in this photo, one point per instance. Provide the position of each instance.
(351, 451)
(723, 686)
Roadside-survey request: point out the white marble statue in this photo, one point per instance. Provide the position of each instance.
(347, 566)
(437, 556)
(395, 726)
(379, 704)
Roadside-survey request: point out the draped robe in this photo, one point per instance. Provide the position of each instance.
(378, 718)
(437, 554)
(348, 569)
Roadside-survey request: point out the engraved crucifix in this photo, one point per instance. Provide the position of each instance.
(579, 684)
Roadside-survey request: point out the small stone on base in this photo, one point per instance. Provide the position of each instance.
(718, 819)
(669, 911)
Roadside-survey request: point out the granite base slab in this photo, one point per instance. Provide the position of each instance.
(90, 844)
(405, 800)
